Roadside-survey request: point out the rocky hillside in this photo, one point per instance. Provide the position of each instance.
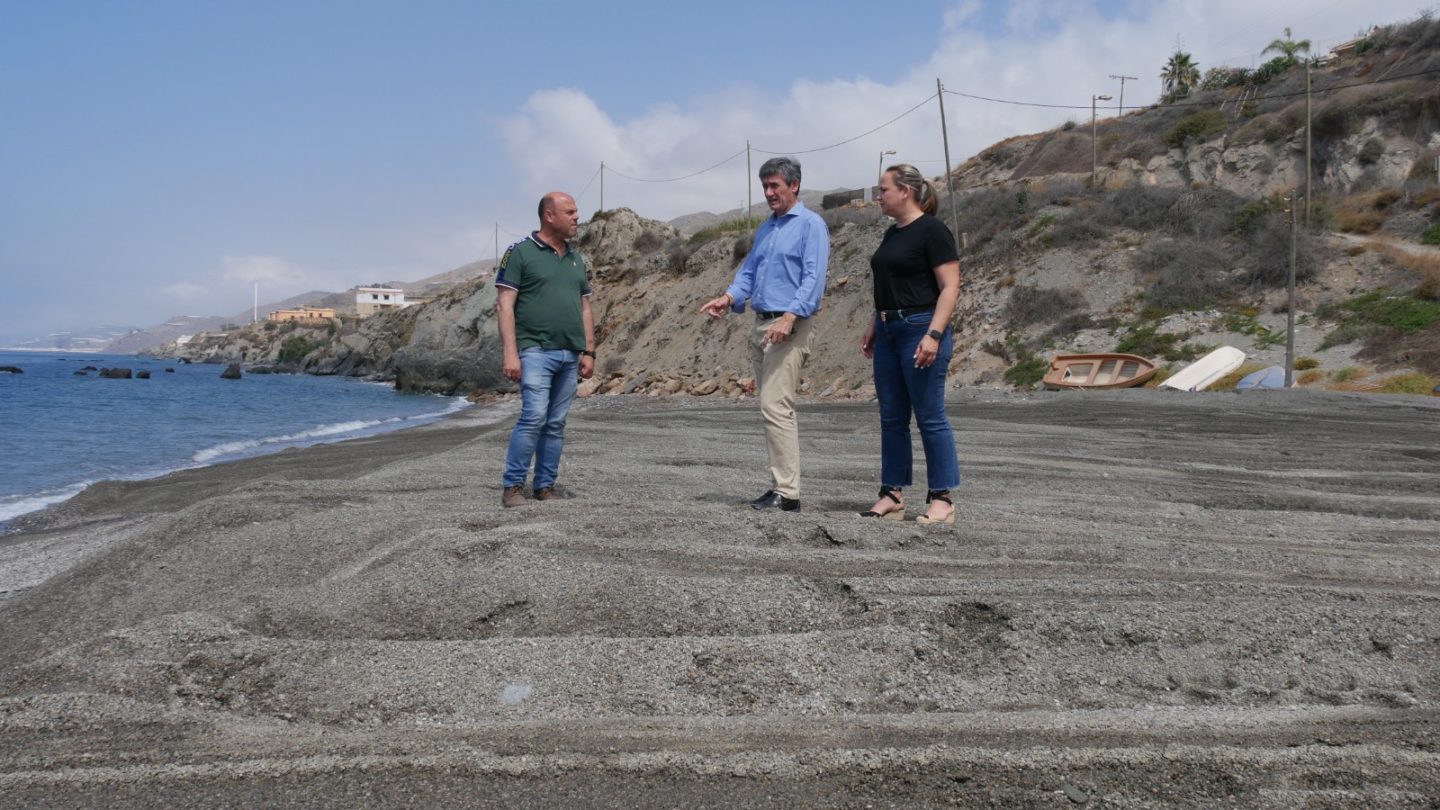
(1182, 245)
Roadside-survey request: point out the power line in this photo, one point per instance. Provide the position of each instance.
(851, 140)
(587, 185)
(1291, 94)
(675, 179)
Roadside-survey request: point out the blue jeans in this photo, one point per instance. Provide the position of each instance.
(903, 390)
(548, 378)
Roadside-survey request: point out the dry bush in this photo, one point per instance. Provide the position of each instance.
(1365, 212)
(1030, 305)
(1424, 265)
(1311, 377)
(1204, 213)
(1182, 273)
(677, 254)
(648, 240)
(1268, 253)
(1411, 383)
(1350, 374)
(1429, 287)
(984, 214)
(1359, 221)
(1141, 208)
(1305, 363)
(1057, 153)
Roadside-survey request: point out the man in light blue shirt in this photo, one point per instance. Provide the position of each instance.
(782, 279)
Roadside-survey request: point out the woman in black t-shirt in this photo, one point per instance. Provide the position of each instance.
(909, 341)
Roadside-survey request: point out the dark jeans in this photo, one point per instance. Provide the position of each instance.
(548, 378)
(904, 390)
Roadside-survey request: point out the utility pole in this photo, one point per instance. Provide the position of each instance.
(1308, 161)
(1290, 293)
(255, 311)
(602, 185)
(749, 184)
(1094, 140)
(497, 245)
(1122, 89)
(949, 178)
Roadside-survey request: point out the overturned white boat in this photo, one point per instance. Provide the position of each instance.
(1203, 373)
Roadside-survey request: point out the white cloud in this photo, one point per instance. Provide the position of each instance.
(184, 292)
(1049, 51)
(253, 269)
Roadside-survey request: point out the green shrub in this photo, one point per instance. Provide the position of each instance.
(1364, 315)
(1147, 341)
(1348, 373)
(1274, 68)
(1431, 236)
(1371, 152)
(295, 348)
(1028, 370)
(1196, 127)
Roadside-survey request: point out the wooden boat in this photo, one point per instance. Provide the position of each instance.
(1103, 370)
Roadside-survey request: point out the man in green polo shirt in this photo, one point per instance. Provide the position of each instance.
(548, 339)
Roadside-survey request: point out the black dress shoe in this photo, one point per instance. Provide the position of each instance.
(773, 500)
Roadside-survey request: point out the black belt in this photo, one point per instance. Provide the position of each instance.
(767, 315)
(897, 314)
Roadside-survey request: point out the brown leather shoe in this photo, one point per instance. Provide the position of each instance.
(513, 496)
(545, 494)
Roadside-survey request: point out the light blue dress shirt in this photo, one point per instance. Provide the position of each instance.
(785, 271)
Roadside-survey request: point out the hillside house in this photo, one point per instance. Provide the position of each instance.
(370, 300)
(303, 315)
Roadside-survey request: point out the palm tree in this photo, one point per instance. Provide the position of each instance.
(1288, 47)
(1180, 74)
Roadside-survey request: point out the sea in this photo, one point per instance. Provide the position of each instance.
(61, 430)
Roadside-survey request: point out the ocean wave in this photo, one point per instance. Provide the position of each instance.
(13, 506)
(353, 429)
(322, 432)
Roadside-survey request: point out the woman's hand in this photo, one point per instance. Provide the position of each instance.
(926, 351)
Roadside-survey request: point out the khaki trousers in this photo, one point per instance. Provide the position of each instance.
(777, 379)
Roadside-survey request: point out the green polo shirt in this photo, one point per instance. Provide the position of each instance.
(549, 287)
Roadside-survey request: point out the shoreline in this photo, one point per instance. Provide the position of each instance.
(225, 453)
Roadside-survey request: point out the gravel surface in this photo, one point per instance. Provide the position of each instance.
(1150, 599)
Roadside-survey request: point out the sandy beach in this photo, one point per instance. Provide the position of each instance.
(1150, 599)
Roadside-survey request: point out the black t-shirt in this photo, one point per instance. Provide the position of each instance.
(904, 264)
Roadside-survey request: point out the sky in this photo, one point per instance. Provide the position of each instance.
(161, 157)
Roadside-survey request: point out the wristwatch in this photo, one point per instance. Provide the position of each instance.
(935, 333)
(588, 353)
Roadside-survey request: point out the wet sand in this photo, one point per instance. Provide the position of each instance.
(1150, 599)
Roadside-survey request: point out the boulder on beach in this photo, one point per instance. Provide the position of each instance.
(169, 370)
(116, 373)
(11, 370)
(231, 372)
(142, 375)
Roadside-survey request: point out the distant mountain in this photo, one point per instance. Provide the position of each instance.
(139, 340)
(94, 339)
(690, 224)
(134, 341)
